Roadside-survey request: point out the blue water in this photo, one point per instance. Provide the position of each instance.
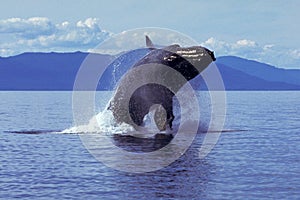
(261, 161)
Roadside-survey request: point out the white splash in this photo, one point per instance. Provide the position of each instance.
(104, 123)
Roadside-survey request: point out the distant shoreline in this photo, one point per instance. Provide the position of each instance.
(58, 72)
(113, 90)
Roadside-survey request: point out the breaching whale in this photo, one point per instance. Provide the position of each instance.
(151, 82)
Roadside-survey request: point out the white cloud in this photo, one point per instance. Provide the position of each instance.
(40, 34)
(295, 53)
(245, 43)
(27, 28)
(19, 35)
(6, 51)
(267, 53)
(223, 47)
(268, 47)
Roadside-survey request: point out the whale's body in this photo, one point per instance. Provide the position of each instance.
(130, 104)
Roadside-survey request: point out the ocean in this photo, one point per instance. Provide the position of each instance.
(256, 158)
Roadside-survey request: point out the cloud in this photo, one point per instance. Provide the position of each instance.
(295, 53)
(6, 51)
(40, 34)
(28, 28)
(268, 53)
(245, 43)
(240, 47)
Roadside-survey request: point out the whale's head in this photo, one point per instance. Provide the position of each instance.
(200, 57)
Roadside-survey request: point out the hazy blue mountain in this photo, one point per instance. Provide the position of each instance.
(43, 71)
(235, 79)
(57, 71)
(261, 70)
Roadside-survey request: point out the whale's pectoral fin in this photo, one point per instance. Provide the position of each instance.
(160, 118)
(149, 42)
(163, 116)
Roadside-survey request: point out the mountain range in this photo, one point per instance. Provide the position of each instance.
(57, 71)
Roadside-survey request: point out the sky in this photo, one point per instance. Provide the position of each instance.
(263, 30)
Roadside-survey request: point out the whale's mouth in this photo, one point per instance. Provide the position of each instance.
(213, 56)
(211, 53)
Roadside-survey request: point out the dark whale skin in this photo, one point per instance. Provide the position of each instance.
(189, 62)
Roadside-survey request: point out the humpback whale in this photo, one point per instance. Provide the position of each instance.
(130, 104)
